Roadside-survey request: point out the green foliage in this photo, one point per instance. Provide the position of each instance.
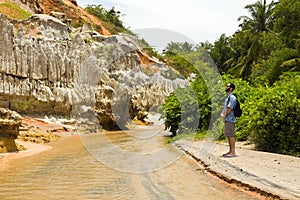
(14, 11)
(114, 16)
(190, 137)
(179, 47)
(187, 59)
(179, 63)
(111, 18)
(87, 40)
(24, 105)
(293, 64)
(273, 67)
(254, 30)
(180, 111)
(190, 108)
(219, 52)
(262, 60)
(198, 106)
(204, 101)
(176, 56)
(274, 123)
(78, 23)
(261, 17)
(287, 21)
(270, 114)
(269, 28)
(148, 50)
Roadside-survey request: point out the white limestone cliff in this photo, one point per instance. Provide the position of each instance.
(45, 69)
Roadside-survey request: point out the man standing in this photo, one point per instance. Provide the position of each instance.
(229, 119)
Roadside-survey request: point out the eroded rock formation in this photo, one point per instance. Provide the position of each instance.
(10, 122)
(47, 70)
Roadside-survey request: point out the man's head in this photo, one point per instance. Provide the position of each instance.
(229, 87)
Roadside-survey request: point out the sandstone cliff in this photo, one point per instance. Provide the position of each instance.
(10, 122)
(48, 69)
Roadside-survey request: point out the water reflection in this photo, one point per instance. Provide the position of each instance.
(138, 151)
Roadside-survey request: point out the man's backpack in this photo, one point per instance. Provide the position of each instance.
(237, 111)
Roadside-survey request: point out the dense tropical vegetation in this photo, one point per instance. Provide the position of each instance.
(263, 59)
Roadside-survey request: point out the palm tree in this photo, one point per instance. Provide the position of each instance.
(254, 29)
(261, 17)
(287, 21)
(219, 52)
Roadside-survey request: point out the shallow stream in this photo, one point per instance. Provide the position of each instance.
(111, 166)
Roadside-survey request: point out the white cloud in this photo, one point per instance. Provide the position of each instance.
(200, 20)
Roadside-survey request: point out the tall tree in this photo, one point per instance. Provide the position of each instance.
(179, 47)
(255, 29)
(261, 17)
(220, 53)
(287, 22)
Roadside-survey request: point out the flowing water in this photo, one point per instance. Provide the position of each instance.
(72, 170)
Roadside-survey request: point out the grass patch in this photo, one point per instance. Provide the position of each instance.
(113, 29)
(14, 11)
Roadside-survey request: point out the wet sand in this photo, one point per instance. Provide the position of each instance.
(33, 148)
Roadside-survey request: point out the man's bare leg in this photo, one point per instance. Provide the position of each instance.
(231, 141)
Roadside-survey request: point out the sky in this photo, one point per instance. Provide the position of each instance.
(193, 21)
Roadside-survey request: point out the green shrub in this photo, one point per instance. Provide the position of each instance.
(271, 68)
(180, 111)
(78, 23)
(110, 18)
(274, 121)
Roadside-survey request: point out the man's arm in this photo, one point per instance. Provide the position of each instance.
(223, 115)
(228, 110)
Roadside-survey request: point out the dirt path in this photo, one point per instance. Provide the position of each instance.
(275, 176)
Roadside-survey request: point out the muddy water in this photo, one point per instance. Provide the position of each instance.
(75, 169)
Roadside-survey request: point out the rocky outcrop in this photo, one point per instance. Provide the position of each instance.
(10, 122)
(36, 70)
(30, 5)
(47, 70)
